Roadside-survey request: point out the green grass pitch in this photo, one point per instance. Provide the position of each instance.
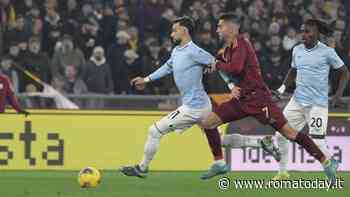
(158, 184)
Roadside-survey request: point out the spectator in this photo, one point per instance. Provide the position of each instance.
(19, 33)
(115, 56)
(7, 15)
(22, 7)
(290, 40)
(33, 22)
(88, 38)
(15, 52)
(274, 29)
(108, 26)
(72, 12)
(97, 73)
(52, 29)
(275, 69)
(72, 83)
(71, 17)
(150, 15)
(66, 54)
(36, 62)
(88, 15)
(134, 68)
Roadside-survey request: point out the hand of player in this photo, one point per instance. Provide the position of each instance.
(24, 112)
(139, 83)
(211, 68)
(236, 92)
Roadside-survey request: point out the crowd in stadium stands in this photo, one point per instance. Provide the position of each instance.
(97, 46)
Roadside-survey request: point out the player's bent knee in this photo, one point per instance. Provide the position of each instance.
(154, 132)
(211, 122)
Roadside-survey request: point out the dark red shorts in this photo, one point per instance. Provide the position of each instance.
(266, 112)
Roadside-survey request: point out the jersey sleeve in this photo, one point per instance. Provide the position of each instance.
(334, 60)
(164, 70)
(201, 56)
(236, 65)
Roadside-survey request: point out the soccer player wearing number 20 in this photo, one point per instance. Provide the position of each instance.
(311, 62)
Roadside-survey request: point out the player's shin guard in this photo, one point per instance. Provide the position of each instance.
(151, 147)
(283, 146)
(306, 142)
(214, 142)
(239, 141)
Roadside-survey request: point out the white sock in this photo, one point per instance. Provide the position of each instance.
(283, 146)
(239, 141)
(322, 144)
(151, 147)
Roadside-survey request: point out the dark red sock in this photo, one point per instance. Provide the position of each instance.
(214, 142)
(306, 142)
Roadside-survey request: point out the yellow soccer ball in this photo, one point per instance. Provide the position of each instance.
(89, 177)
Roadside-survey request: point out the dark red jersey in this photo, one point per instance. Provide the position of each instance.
(255, 100)
(7, 94)
(241, 63)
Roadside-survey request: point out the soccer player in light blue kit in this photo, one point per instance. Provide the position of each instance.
(311, 62)
(186, 64)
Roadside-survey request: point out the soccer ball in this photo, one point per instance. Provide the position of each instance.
(89, 177)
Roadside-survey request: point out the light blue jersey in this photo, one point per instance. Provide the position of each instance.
(313, 67)
(186, 64)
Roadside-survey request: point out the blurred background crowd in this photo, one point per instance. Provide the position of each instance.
(97, 46)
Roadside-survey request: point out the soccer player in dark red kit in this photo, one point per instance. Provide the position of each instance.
(251, 96)
(7, 94)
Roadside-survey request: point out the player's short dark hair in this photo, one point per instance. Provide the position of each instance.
(187, 22)
(231, 17)
(321, 26)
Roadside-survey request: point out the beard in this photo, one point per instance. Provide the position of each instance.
(176, 42)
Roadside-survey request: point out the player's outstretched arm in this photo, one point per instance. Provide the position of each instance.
(164, 70)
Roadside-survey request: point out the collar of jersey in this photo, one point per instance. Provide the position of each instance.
(313, 48)
(186, 45)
